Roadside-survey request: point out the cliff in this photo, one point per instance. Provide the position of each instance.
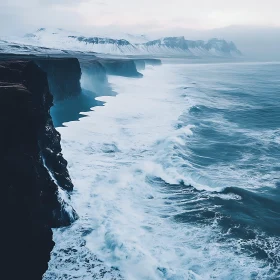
(33, 171)
(64, 76)
(120, 67)
(141, 63)
(94, 76)
(63, 73)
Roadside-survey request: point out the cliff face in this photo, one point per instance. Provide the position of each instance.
(63, 73)
(94, 77)
(64, 76)
(95, 69)
(120, 67)
(152, 61)
(32, 167)
(141, 63)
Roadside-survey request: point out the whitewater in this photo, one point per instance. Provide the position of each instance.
(152, 204)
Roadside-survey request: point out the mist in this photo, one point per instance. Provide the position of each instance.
(255, 42)
(253, 27)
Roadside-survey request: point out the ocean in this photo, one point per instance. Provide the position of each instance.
(176, 177)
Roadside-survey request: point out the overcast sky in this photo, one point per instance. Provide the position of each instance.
(138, 15)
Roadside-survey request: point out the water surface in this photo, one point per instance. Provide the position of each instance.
(177, 177)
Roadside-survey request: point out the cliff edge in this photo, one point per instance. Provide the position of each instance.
(33, 171)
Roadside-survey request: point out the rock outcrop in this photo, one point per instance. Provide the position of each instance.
(63, 73)
(94, 76)
(120, 67)
(141, 63)
(64, 76)
(33, 171)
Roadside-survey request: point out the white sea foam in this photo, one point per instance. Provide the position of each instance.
(125, 222)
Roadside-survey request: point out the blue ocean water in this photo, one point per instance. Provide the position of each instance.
(235, 150)
(177, 177)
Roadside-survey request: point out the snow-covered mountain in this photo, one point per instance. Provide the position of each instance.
(179, 45)
(128, 44)
(11, 47)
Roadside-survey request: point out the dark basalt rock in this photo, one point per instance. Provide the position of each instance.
(63, 73)
(64, 76)
(94, 83)
(95, 69)
(94, 77)
(31, 167)
(120, 67)
(141, 63)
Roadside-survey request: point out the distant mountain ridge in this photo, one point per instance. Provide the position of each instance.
(213, 47)
(131, 44)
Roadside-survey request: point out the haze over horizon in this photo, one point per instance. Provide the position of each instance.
(253, 25)
(140, 16)
(140, 139)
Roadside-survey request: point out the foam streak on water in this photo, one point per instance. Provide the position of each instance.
(128, 162)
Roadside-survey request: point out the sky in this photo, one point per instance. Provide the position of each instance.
(139, 15)
(254, 25)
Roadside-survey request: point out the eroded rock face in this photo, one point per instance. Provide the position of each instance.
(31, 167)
(94, 77)
(120, 67)
(64, 76)
(63, 73)
(141, 63)
(94, 68)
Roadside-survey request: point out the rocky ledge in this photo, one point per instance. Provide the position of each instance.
(120, 67)
(64, 76)
(63, 73)
(33, 171)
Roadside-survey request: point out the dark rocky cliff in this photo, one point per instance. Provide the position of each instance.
(64, 76)
(63, 73)
(120, 67)
(32, 167)
(141, 63)
(94, 77)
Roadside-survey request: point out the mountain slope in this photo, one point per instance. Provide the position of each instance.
(168, 46)
(179, 45)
